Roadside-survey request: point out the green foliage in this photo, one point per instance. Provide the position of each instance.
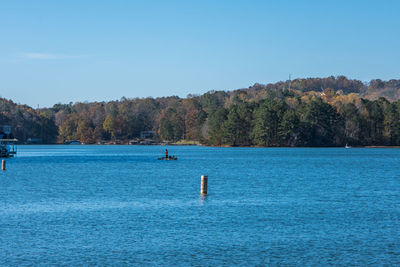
(267, 118)
(322, 122)
(288, 128)
(311, 112)
(215, 129)
(237, 127)
(212, 101)
(172, 125)
(27, 122)
(352, 124)
(114, 125)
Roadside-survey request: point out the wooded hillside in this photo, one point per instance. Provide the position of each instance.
(329, 111)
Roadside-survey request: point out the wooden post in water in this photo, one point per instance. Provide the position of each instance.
(203, 188)
(3, 165)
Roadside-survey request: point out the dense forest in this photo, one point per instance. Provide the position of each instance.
(329, 111)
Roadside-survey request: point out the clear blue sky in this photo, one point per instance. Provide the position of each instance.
(62, 51)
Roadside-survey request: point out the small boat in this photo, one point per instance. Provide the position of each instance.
(168, 158)
(347, 146)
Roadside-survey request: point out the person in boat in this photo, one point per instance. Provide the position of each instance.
(166, 153)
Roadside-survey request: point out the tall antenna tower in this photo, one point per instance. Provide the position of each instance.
(290, 80)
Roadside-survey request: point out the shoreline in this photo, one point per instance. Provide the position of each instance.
(203, 145)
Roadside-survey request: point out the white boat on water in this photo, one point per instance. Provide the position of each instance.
(347, 146)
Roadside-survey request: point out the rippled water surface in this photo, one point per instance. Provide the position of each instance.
(119, 205)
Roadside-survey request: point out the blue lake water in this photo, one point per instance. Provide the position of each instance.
(119, 205)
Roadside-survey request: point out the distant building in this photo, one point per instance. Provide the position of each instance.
(32, 141)
(7, 142)
(147, 134)
(146, 142)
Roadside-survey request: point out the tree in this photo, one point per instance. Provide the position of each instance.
(114, 126)
(237, 127)
(265, 131)
(352, 128)
(323, 123)
(215, 126)
(288, 128)
(84, 132)
(391, 122)
(171, 125)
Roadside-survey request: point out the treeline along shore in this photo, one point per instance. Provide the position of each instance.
(313, 112)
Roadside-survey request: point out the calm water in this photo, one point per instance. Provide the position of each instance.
(119, 205)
